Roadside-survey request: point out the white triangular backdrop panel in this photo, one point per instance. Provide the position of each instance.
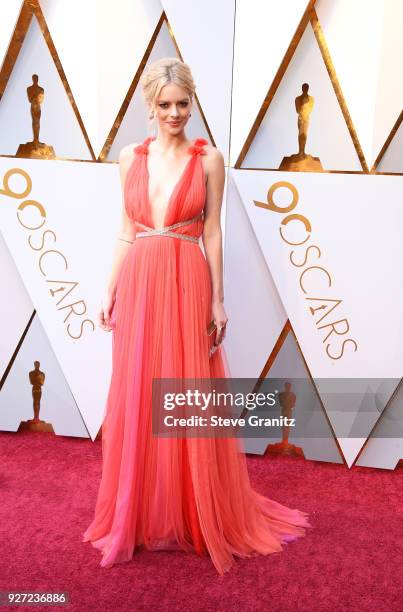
(277, 135)
(362, 279)
(57, 404)
(263, 33)
(56, 109)
(71, 263)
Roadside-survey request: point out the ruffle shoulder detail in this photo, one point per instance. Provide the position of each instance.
(197, 146)
(143, 148)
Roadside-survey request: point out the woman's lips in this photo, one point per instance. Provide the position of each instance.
(174, 122)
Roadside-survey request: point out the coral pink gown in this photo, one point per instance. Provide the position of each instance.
(172, 493)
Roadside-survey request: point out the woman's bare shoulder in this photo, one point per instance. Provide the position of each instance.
(213, 153)
(213, 160)
(126, 153)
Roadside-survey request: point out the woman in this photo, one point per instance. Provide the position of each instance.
(172, 493)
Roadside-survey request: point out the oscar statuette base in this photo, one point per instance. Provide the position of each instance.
(301, 163)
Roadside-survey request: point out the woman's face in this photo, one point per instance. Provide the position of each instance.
(173, 108)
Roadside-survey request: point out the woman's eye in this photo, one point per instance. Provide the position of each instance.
(165, 104)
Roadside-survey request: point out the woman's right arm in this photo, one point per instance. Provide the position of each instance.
(125, 237)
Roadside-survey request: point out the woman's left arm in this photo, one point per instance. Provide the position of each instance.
(212, 235)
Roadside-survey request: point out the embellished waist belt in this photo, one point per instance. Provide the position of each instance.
(166, 231)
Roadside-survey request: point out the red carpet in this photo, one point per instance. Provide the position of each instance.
(351, 560)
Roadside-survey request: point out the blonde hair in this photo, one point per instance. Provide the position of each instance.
(162, 72)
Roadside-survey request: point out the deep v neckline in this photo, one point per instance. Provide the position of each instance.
(174, 190)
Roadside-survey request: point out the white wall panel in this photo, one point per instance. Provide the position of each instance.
(15, 307)
(206, 44)
(263, 32)
(101, 45)
(9, 15)
(389, 100)
(392, 160)
(365, 43)
(385, 447)
(256, 314)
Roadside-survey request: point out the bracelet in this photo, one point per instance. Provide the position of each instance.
(124, 239)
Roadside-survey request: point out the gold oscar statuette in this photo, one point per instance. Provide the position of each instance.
(302, 161)
(287, 399)
(37, 380)
(35, 148)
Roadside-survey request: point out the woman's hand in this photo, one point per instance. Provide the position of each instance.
(105, 311)
(220, 319)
